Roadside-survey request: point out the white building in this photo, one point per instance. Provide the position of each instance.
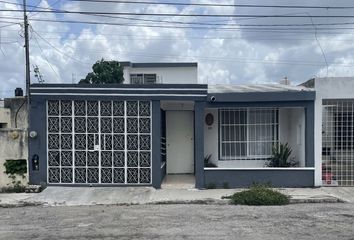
(167, 73)
(334, 130)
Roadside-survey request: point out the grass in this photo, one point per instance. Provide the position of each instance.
(259, 195)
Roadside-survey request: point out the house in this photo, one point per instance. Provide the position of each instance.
(162, 122)
(152, 73)
(334, 130)
(13, 136)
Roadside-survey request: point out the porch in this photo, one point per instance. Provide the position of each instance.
(244, 124)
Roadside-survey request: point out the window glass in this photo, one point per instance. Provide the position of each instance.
(247, 133)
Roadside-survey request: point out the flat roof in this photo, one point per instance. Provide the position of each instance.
(233, 88)
(159, 64)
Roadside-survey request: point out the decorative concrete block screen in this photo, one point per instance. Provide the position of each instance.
(338, 142)
(99, 142)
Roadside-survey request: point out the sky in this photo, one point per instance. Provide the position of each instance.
(228, 51)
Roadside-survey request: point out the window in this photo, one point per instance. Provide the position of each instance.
(142, 78)
(247, 133)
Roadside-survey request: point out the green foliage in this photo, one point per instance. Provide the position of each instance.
(104, 72)
(14, 168)
(280, 156)
(259, 195)
(207, 162)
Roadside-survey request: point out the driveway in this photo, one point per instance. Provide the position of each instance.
(297, 221)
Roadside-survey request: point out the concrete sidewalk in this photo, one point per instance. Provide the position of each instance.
(79, 196)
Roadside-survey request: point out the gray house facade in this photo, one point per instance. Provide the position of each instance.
(136, 135)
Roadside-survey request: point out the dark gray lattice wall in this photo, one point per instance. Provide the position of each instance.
(93, 142)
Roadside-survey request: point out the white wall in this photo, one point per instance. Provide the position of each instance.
(5, 117)
(289, 131)
(292, 131)
(166, 74)
(327, 88)
(211, 137)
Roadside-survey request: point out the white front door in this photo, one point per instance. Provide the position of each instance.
(180, 142)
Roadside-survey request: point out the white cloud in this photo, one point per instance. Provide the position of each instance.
(224, 56)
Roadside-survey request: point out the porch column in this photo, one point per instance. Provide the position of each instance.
(156, 144)
(199, 143)
(310, 134)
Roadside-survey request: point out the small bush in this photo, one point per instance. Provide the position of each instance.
(259, 195)
(15, 169)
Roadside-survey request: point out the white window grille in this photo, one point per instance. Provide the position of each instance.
(143, 78)
(136, 78)
(338, 142)
(247, 133)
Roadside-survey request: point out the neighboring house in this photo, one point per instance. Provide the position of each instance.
(152, 73)
(334, 135)
(135, 134)
(13, 135)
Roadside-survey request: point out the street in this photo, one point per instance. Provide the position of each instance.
(300, 221)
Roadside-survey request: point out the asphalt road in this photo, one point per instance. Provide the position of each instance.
(301, 221)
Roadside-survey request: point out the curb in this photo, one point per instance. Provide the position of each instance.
(20, 204)
(199, 201)
(205, 201)
(325, 199)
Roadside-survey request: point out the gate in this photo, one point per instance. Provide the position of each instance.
(98, 142)
(338, 142)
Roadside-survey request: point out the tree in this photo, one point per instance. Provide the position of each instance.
(104, 72)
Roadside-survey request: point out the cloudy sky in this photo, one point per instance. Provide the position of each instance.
(228, 49)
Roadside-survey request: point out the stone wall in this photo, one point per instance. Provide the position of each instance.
(13, 138)
(13, 146)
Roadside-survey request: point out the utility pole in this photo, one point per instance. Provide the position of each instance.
(28, 71)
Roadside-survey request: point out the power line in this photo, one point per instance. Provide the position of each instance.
(217, 24)
(45, 57)
(187, 23)
(8, 25)
(192, 27)
(203, 58)
(48, 8)
(197, 38)
(194, 4)
(213, 5)
(36, 6)
(230, 59)
(180, 14)
(58, 50)
(244, 29)
(197, 23)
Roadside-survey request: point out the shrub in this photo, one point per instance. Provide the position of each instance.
(280, 156)
(207, 161)
(15, 169)
(259, 195)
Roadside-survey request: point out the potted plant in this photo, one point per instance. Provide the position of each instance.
(280, 156)
(207, 162)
